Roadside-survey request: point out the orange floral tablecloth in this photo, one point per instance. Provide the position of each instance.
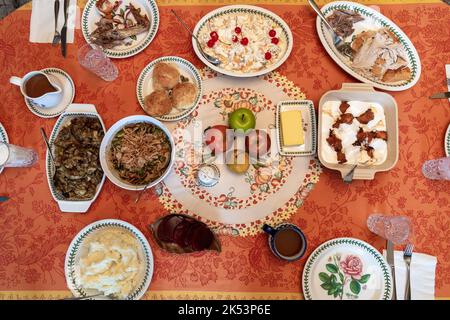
(34, 234)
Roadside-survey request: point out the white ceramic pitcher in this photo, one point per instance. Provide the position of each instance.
(48, 100)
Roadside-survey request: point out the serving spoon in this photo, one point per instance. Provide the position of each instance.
(48, 145)
(208, 57)
(339, 43)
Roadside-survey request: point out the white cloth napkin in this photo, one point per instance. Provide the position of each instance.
(42, 24)
(422, 279)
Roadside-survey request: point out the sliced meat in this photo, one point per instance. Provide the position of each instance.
(202, 238)
(167, 227)
(344, 106)
(366, 117)
(334, 141)
(341, 157)
(346, 118)
(370, 150)
(381, 135)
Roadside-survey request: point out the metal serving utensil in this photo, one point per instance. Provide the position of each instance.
(57, 36)
(339, 43)
(102, 295)
(48, 145)
(210, 59)
(141, 192)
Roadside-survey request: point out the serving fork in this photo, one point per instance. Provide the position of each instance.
(57, 36)
(407, 257)
(339, 43)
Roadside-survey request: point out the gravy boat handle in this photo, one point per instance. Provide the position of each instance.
(16, 81)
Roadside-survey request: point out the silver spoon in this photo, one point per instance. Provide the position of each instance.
(107, 297)
(210, 59)
(141, 192)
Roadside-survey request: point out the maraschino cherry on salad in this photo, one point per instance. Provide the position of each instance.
(214, 37)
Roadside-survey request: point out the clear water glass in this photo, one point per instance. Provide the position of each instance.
(437, 169)
(397, 229)
(15, 156)
(94, 59)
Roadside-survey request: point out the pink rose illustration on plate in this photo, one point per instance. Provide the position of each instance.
(352, 266)
(344, 277)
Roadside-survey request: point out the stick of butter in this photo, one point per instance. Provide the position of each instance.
(292, 128)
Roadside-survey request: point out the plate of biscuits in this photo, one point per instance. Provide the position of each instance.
(169, 88)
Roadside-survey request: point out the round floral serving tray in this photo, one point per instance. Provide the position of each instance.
(269, 192)
(76, 248)
(372, 20)
(245, 9)
(3, 138)
(346, 269)
(91, 15)
(145, 85)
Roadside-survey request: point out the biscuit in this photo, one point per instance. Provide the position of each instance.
(183, 94)
(158, 103)
(165, 76)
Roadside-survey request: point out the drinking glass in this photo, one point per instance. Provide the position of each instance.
(437, 169)
(394, 228)
(94, 59)
(15, 156)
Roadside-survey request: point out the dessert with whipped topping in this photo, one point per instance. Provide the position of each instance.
(111, 263)
(243, 42)
(354, 132)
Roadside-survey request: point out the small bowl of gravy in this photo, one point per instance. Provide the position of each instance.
(286, 241)
(37, 88)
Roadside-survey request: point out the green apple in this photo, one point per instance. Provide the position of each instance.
(242, 119)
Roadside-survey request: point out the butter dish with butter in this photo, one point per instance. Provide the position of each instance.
(296, 128)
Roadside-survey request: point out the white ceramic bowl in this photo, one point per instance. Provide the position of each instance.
(366, 93)
(107, 166)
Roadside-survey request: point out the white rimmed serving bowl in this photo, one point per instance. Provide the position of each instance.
(107, 165)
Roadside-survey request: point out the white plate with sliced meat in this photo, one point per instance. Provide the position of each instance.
(122, 29)
(383, 55)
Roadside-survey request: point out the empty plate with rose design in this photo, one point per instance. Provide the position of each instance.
(346, 269)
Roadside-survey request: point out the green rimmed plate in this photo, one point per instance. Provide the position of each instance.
(3, 138)
(145, 85)
(309, 127)
(76, 249)
(447, 142)
(346, 269)
(372, 20)
(276, 21)
(91, 15)
(63, 79)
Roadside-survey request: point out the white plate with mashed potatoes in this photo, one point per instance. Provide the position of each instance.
(110, 257)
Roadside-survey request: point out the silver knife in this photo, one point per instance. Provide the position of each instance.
(390, 261)
(441, 95)
(64, 30)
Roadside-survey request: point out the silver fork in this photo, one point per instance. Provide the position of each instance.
(57, 36)
(339, 43)
(407, 257)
